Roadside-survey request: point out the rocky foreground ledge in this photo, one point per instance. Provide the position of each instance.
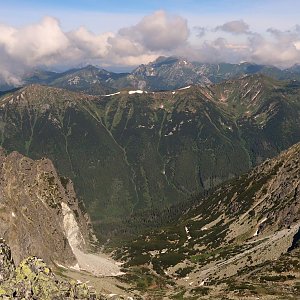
(33, 279)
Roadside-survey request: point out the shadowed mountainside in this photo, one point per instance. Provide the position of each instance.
(133, 151)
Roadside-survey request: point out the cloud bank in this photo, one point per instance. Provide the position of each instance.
(235, 27)
(45, 44)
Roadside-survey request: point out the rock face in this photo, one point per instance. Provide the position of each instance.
(167, 73)
(33, 279)
(39, 212)
(7, 267)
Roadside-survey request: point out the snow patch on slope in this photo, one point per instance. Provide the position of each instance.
(184, 88)
(114, 94)
(187, 233)
(261, 222)
(135, 92)
(73, 81)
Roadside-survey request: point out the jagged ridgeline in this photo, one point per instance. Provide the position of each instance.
(165, 73)
(131, 152)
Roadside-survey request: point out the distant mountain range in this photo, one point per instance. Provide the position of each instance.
(165, 73)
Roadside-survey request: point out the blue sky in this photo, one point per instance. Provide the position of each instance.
(150, 5)
(259, 12)
(128, 6)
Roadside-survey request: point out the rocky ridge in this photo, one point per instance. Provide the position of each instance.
(165, 73)
(39, 212)
(44, 224)
(33, 279)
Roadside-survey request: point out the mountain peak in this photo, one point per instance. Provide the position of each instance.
(90, 68)
(42, 96)
(161, 60)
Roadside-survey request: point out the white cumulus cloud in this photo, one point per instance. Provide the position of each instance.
(235, 27)
(158, 31)
(46, 44)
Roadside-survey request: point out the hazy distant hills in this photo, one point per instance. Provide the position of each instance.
(165, 73)
(134, 151)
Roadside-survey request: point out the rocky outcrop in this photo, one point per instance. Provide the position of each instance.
(7, 267)
(36, 206)
(33, 279)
